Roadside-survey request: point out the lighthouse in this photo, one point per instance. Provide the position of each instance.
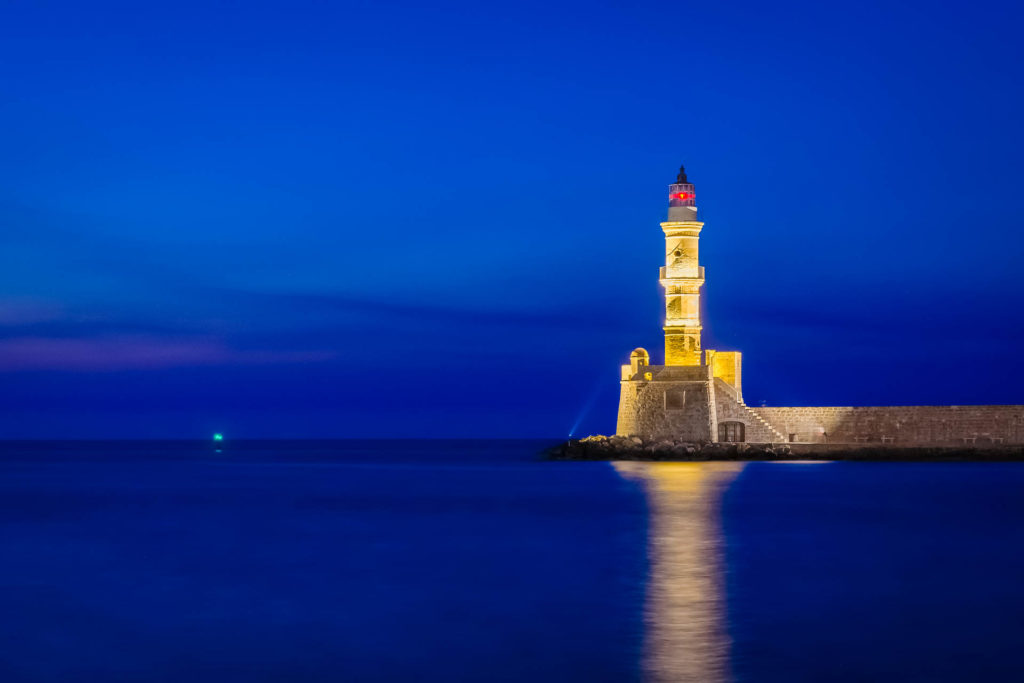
(683, 397)
(696, 395)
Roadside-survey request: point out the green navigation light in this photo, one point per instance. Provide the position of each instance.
(218, 437)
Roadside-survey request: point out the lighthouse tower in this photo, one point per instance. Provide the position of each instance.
(682, 276)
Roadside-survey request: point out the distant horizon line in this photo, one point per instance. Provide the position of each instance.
(286, 438)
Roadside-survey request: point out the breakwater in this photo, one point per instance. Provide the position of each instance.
(660, 449)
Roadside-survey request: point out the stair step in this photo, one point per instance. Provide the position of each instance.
(767, 425)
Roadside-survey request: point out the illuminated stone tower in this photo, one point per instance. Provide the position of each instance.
(685, 397)
(682, 276)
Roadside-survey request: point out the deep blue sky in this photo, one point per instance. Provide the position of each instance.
(367, 219)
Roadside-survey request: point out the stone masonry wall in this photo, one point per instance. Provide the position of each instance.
(907, 425)
(646, 411)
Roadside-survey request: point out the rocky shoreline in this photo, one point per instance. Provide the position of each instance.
(634, 448)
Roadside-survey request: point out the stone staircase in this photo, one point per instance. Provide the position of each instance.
(777, 436)
(774, 435)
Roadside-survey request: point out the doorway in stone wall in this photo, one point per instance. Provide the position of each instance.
(731, 431)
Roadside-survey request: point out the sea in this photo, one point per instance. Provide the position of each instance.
(480, 561)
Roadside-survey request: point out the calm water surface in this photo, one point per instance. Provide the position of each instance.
(472, 561)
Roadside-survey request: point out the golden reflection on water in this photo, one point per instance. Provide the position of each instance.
(685, 635)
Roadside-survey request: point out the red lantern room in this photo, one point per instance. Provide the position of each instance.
(681, 192)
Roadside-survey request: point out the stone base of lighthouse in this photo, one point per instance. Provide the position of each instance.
(692, 403)
(668, 401)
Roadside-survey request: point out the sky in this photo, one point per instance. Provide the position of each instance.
(391, 219)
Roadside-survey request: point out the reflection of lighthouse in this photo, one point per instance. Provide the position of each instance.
(685, 637)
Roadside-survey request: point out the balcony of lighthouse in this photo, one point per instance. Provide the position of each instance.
(698, 276)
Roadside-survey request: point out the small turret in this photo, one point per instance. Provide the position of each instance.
(639, 359)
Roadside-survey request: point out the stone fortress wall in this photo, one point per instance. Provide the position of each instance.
(664, 400)
(900, 425)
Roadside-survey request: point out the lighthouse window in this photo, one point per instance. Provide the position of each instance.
(675, 399)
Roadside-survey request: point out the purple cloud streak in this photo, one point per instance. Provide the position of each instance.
(135, 352)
